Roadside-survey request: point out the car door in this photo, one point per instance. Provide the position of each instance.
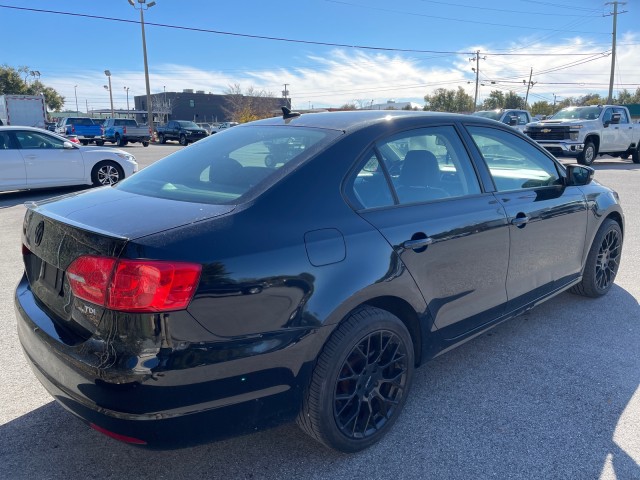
(13, 175)
(47, 161)
(610, 139)
(625, 129)
(420, 190)
(548, 221)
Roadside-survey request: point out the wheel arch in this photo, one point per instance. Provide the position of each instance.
(595, 139)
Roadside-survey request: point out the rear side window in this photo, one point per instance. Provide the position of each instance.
(226, 169)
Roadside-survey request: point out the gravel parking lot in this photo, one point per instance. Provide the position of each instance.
(552, 394)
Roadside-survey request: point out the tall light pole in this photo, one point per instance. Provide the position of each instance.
(75, 91)
(108, 74)
(143, 5)
(127, 89)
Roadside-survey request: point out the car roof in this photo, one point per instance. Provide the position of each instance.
(355, 120)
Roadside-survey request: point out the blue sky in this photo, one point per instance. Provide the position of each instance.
(419, 45)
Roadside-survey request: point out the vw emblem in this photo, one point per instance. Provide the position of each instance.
(38, 234)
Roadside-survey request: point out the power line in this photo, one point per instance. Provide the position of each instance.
(502, 10)
(283, 39)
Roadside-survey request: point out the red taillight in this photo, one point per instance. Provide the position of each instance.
(124, 130)
(134, 285)
(73, 129)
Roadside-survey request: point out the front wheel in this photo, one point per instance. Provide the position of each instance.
(588, 154)
(183, 140)
(145, 144)
(602, 262)
(106, 173)
(360, 382)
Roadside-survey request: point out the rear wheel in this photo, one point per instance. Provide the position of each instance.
(120, 141)
(145, 144)
(588, 154)
(602, 262)
(162, 139)
(106, 173)
(635, 154)
(84, 142)
(360, 382)
(99, 143)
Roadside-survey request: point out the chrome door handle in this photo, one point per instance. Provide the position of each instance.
(520, 221)
(417, 243)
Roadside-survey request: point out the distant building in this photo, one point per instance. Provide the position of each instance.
(197, 106)
(393, 105)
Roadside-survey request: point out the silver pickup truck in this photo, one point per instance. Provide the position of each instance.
(586, 132)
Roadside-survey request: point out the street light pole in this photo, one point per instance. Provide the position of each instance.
(127, 89)
(145, 6)
(108, 74)
(75, 91)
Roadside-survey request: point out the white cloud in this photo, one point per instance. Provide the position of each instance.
(347, 75)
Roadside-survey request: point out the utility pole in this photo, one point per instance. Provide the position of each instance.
(285, 94)
(614, 14)
(477, 70)
(529, 85)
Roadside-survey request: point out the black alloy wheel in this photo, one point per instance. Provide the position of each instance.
(360, 383)
(603, 261)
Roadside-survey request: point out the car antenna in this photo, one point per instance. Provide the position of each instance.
(286, 113)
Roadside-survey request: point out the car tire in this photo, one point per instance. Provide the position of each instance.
(624, 155)
(352, 412)
(588, 154)
(106, 173)
(183, 140)
(145, 144)
(99, 143)
(120, 141)
(635, 154)
(161, 139)
(84, 142)
(602, 262)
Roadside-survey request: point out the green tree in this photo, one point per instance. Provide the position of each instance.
(591, 99)
(494, 101)
(253, 104)
(445, 100)
(625, 97)
(13, 83)
(348, 106)
(513, 100)
(541, 108)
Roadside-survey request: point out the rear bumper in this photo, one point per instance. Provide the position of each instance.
(168, 397)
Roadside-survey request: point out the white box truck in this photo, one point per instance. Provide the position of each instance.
(23, 110)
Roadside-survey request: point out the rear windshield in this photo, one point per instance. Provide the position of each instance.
(230, 168)
(81, 121)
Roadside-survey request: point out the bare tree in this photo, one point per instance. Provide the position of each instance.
(251, 105)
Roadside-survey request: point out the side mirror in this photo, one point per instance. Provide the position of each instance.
(579, 175)
(615, 118)
(68, 146)
(513, 121)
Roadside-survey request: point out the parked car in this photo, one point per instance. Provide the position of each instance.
(206, 126)
(518, 119)
(84, 127)
(589, 131)
(51, 126)
(223, 126)
(184, 131)
(34, 158)
(307, 285)
(122, 131)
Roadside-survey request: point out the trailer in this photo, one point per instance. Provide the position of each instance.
(23, 110)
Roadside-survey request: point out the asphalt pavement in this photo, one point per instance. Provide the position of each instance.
(553, 394)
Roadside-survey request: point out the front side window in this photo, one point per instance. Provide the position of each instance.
(514, 163)
(223, 168)
(5, 141)
(29, 140)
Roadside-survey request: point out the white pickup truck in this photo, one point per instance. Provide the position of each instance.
(586, 132)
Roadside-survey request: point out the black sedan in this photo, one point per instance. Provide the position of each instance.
(300, 267)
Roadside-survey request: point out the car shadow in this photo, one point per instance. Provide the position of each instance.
(545, 395)
(11, 199)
